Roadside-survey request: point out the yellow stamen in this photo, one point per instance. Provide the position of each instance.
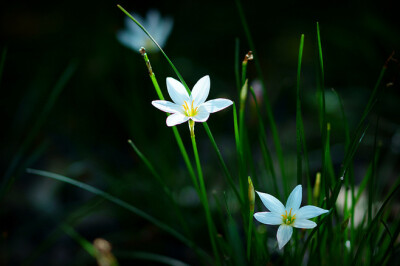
(288, 218)
(189, 111)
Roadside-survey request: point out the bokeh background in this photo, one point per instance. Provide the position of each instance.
(72, 95)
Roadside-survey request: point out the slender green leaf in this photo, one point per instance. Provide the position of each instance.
(85, 244)
(271, 119)
(177, 136)
(159, 47)
(9, 176)
(210, 222)
(299, 120)
(117, 201)
(264, 147)
(149, 256)
(164, 186)
(371, 226)
(237, 75)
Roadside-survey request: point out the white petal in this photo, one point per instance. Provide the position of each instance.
(272, 203)
(164, 30)
(216, 105)
(176, 118)
(200, 90)
(177, 91)
(309, 211)
(284, 234)
(303, 223)
(271, 218)
(153, 19)
(202, 115)
(294, 199)
(131, 25)
(167, 106)
(133, 41)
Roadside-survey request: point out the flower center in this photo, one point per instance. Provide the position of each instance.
(288, 219)
(190, 111)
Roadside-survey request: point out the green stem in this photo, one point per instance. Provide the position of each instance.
(298, 116)
(167, 191)
(264, 148)
(251, 212)
(237, 65)
(176, 133)
(222, 162)
(154, 41)
(239, 151)
(270, 116)
(210, 223)
(174, 129)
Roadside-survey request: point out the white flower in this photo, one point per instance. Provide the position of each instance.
(194, 106)
(134, 37)
(287, 217)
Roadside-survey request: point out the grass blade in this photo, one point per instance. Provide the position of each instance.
(155, 42)
(164, 186)
(177, 136)
(237, 77)
(85, 244)
(117, 201)
(148, 256)
(8, 177)
(319, 224)
(270, 117)
(203, 194)
(72, 218)
(372, 225)
(264, 147)
(222, 162)
(299, 120)
(367, 110)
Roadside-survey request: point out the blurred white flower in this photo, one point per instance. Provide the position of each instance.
(361, 205)
(287, 217)
(194, 107)
(134, 37)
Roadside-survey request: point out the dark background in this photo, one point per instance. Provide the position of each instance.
(84, 133)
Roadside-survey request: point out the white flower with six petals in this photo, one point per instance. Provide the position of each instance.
(134, 37)
(288, 216)
(194, 106)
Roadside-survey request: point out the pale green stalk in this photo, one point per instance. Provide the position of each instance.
(264, 148)
(239, 153)
(299, 121)
(174, 129)
(270, 116)
(251, 196)
(179, 140)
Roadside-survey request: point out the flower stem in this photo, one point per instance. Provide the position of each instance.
(251, 196)
(203, 196)
(174, 129)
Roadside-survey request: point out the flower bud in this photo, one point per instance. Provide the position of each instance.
(103, 253)
(251, 194)
(243, 94)
(317, 187)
